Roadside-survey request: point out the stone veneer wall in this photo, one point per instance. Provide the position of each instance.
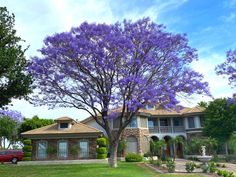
(71, 142)
(142, 138)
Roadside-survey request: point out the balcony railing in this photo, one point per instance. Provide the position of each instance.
(166, 129)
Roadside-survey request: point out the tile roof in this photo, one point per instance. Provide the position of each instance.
(163, 112)
(76, 128)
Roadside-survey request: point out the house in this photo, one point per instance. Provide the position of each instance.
(156, 123)
(65, 139)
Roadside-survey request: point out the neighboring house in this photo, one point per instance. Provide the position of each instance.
(157, 123)
(65, 139)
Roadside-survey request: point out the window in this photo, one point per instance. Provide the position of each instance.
(201, 120)
(150, 107)
(42, 149)
(163, 122)
(191, 123)
(133, 123)
(178, 121)
(84, 149)
(64, 125)
(150, 123)
(62, 149)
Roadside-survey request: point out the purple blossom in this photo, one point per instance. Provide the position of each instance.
(228, 68)
(14, 115)
(99, 66)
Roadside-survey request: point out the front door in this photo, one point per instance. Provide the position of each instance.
(132, 145)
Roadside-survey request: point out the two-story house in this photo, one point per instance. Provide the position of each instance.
(157, 123)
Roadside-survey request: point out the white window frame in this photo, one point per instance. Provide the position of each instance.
(81, 156)
(37, 149)
(58, 150)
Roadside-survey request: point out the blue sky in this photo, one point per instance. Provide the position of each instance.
(210, 26)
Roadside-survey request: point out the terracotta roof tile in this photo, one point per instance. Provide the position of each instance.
(77, 128)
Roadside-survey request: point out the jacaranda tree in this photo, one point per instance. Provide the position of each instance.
(99, 67)
(228, 68)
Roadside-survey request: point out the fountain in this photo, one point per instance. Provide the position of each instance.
(204, 158)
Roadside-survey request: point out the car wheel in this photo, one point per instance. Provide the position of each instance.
(14, 160)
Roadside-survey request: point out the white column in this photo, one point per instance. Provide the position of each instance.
(197, 122)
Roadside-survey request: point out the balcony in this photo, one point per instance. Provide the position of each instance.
(166, 129)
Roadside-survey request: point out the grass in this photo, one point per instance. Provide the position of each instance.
(81, 170)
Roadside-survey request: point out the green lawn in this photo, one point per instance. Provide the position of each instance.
(80, 170)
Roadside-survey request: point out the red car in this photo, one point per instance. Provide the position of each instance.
(11, 156)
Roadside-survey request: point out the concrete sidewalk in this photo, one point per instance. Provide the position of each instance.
(56, 162)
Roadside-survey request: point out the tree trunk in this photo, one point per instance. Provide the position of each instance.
(113, 154)
(226, 149)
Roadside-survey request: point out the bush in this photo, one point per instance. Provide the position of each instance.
(51, 150)
(101, 142)
(27, 148)
(212, 167)
(101, 156)
(27, 154)
(27, 142)
(101, 150)
(158, 163)
(132, 157)
(147, 154)
(190, 166)
(170, 164)
(26, 159)
(225, 173)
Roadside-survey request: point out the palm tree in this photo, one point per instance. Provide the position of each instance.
(157, 147)
(175, 141)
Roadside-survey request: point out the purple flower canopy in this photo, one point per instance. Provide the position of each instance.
(14, 115)
(98, 67)
(228, 68)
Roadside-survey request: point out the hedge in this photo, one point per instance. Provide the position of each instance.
(27, 154)
(102, 142)
(26, 159)
(27, 148)
(101, 156)
(27, 142)
(101, 150)
(132, 157)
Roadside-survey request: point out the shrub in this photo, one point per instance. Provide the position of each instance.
(190, 166)
(205, 168)
(158, 163)
(26, 159)
(102, 142)
(27, 148)
(212, 167)
(170, 164)
(101, 150)
(27, 142)
(101, 156)
(132, 157)
(27, 154)
(147, 154)
(225, 173)
(51, 150)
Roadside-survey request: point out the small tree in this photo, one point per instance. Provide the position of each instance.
(220, 120)
(175, 141)
(157, 147)
(102, 148)
(100, 67)
(9, 121)
(27, 150)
